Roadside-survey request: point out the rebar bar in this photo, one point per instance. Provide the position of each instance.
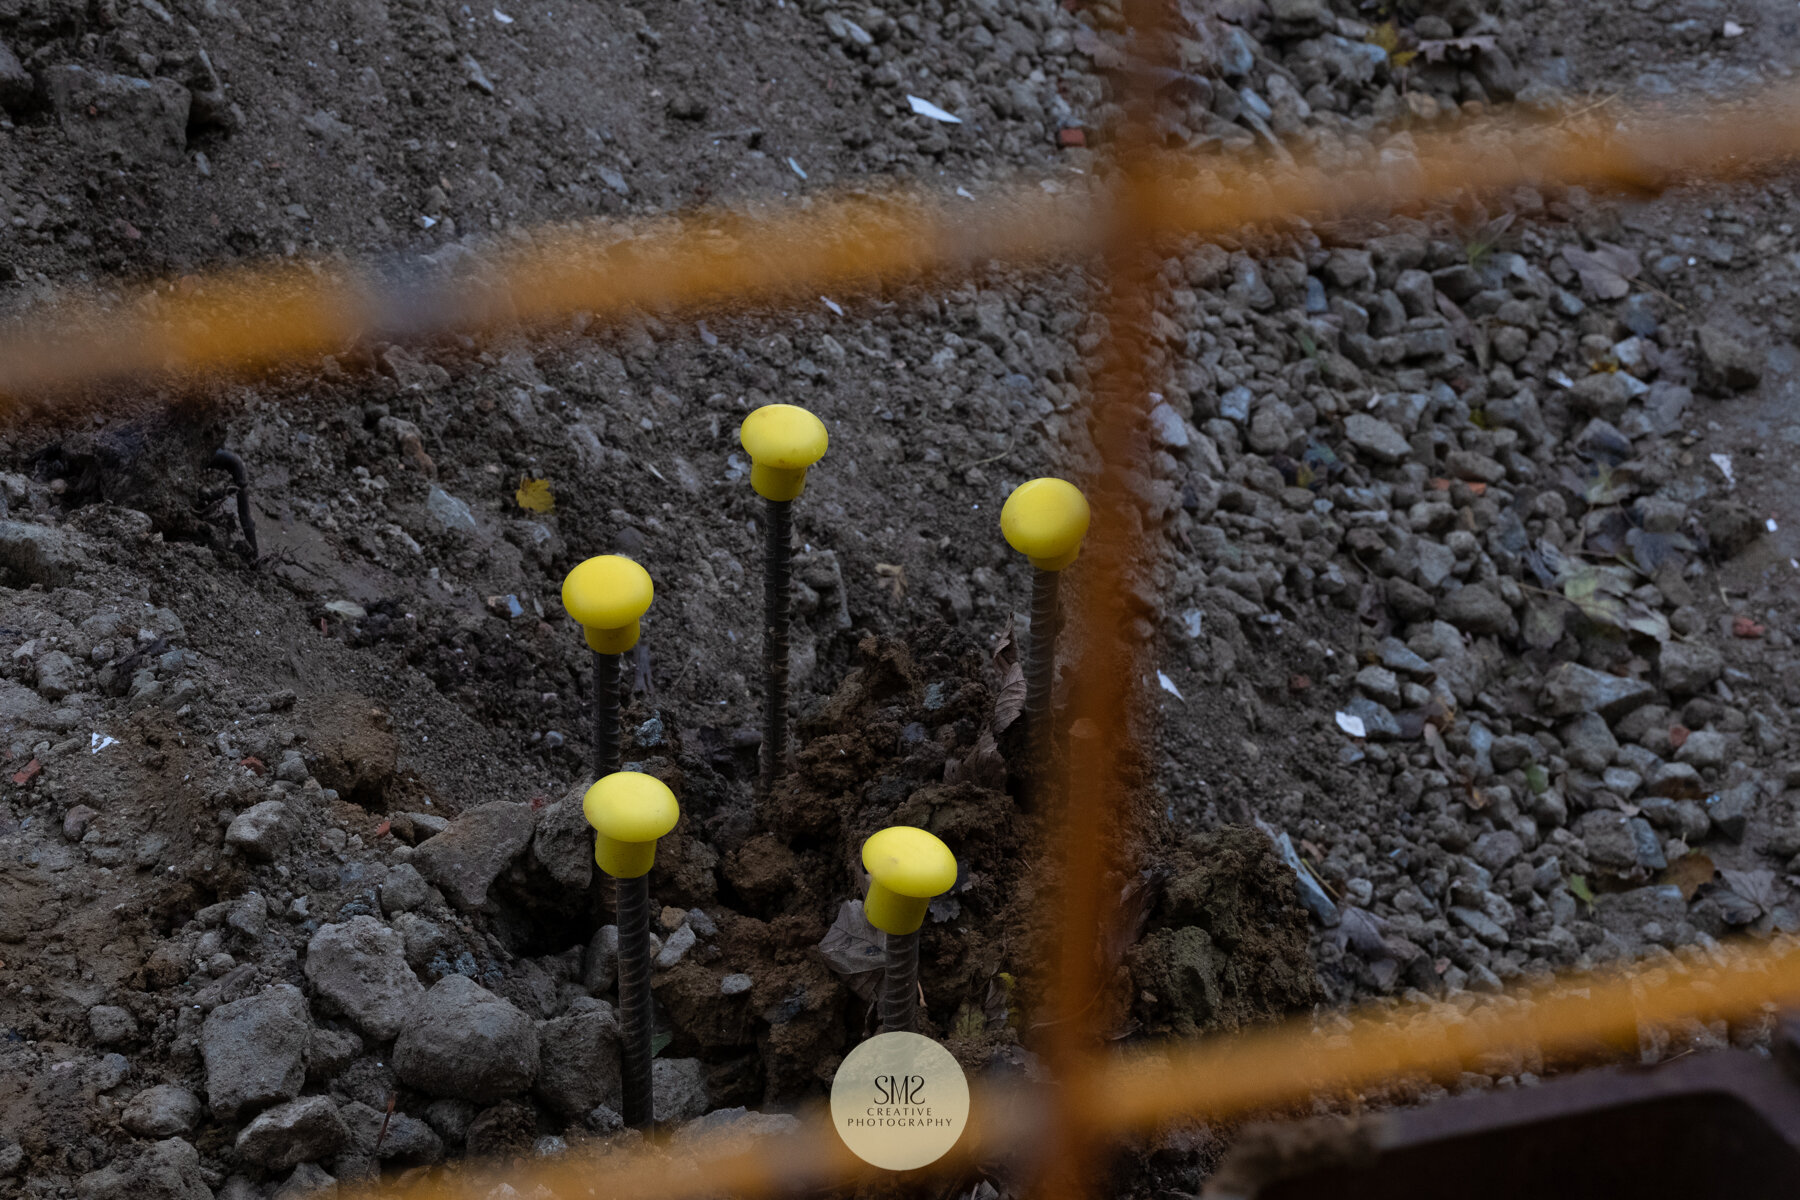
(606, 714)
(900, 982)
(225, 460)
(777, 566)
(1040, 669)
(633, 917)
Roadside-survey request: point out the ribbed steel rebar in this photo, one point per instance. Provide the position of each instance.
(1040, 668)
(777, 566)
(634, 998)
(900, 982)
(606, 714)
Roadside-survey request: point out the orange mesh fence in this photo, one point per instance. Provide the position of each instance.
(258, 318)
(1227, 1078)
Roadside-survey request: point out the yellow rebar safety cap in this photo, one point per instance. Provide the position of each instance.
(1045, 520)
(629, 811)
(607, 595)
(906, 867)
(782, 440)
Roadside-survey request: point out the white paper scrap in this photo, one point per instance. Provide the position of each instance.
(796, 166)
(1352, 725)
(831, 304)
(1723, 462)
(926, 108)
(98, 742)
(502, 17)
(1168, 685)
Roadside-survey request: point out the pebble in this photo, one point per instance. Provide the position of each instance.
(734, 984)
(359, 967)
(162, 1111)
(461, 1040)
(255, 1051)
(296, 1132)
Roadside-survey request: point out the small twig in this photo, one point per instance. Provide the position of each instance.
(393, 1097)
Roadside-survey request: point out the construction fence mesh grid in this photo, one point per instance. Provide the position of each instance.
(1142, 204)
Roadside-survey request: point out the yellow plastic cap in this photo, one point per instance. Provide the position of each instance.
(782, 440)
(629, 811)
(607, 595)
(1045, 520)
(907, 867)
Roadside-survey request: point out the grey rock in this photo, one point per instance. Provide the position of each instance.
(330, 1051)
(1688, 668)
(732, 1130)
(578, 1067)
(1497, 849)
(602, 964)
(1513, 751)
(307, 1181)
(676, 948)
(1705, 748)
(451, 1118)
(449, 513)
(1379, 725)
(1380, 685)
(1730, 811)
(1652, 913)
(76, 822)
(255, 1051)
(466, 858)
(1484, 927)
(563, 843)
(120, 117)
(15, 81)
(1589, 743)
(111, 1071)
(735, 984)
(111, 1025)
(425, 939)
(41, 554)
(1684, 818)
(57, 675)
(162, 1111)
(1398, 657)
(404, 889)
(360, 968)
(1605, 395)
(1376, 438)
(1726, 364)
(408, 1140)
(1617, 843)
(678, 1088)
(464, 1041)
(260, 831)
(165, 1170)
(296, 1132)
(1571, 688)
(1479, 609)
(292, 767)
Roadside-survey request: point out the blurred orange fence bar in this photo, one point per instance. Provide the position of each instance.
(258, 318)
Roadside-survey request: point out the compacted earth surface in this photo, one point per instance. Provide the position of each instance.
(1467, 635)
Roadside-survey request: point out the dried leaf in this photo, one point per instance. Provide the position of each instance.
(1606, 271)
(982, 766)
(534, 495)
(1690, 873)
(854, 949)
(1758, 887)
(1011, 700)
(997, 1008)
(1578, 886)
(969, 1021)
(1125, 925)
